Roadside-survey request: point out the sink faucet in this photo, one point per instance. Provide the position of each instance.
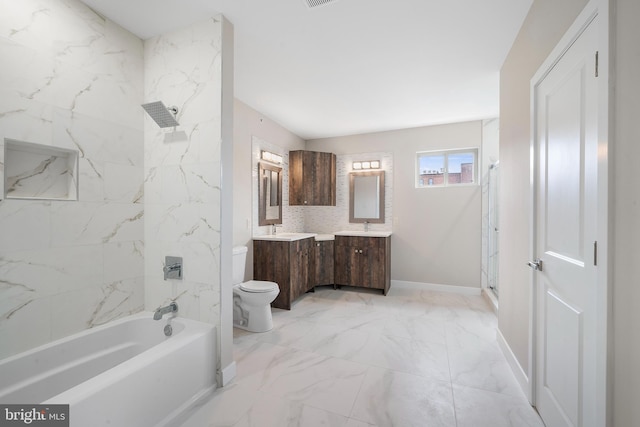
(274, 228)
(366, 226)
(171, 308)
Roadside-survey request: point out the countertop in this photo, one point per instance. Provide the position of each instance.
(291, 237)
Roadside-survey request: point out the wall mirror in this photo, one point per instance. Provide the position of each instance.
(270, 194)
(366, 197)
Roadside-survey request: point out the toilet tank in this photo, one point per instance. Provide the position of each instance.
(239, 261)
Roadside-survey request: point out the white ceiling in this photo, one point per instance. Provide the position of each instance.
(352, 66)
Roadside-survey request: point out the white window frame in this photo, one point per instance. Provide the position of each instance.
(446, 154)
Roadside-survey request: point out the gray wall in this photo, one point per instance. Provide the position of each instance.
(543, 27)
(436, 231)
(625, 214)
(248, 122)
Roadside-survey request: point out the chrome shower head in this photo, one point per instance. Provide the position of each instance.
(163, 116)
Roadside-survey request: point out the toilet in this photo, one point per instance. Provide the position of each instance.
(251, 300)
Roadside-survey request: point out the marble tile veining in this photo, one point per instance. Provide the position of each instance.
(350, 358)
(72, 83)
(181, 177)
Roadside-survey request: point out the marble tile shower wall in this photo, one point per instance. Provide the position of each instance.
(71, 79)
(182, 169)
(328, 219)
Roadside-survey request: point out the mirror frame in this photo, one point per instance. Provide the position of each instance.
(262, 200)
(381, 203)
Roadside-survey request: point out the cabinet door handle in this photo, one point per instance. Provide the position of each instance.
(360, 250)
(356, 251)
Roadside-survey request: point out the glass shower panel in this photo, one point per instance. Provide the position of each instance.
(493, 230)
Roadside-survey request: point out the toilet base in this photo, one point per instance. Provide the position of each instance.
(252, 319)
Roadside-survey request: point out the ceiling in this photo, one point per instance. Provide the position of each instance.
(352, 66)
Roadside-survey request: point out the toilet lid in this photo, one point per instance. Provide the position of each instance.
(258, 286)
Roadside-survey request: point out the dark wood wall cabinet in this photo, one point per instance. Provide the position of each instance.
(312, 178)
(289, 264)
(363, 262)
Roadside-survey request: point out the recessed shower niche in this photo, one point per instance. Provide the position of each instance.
(36, 171)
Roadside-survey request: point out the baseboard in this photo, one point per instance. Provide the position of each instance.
(402, 284)
(227, 374)
(491, 298)
(518, 372)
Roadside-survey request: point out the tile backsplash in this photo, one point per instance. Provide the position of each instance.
(328, 219)
(321, 219)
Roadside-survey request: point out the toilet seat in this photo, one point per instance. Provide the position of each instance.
(258, 286)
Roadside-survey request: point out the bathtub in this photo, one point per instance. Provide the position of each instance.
(125, 373)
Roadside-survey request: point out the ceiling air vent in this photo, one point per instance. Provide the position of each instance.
(316, 3)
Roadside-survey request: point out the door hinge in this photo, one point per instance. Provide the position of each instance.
(597, 63)
(595, 253)
(536, 264)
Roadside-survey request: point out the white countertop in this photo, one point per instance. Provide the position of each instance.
(355, 233)
(291, 237)
(285, 237)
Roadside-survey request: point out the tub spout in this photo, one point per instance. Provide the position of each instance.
(171, 308)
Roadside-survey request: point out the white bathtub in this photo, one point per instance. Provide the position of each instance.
(123, 374)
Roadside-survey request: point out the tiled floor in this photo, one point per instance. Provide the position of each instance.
(349, 358)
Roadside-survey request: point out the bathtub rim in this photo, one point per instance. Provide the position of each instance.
(198, 325)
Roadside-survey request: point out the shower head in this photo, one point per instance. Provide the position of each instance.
(163, 116)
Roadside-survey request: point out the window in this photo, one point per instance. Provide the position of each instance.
(446, 168)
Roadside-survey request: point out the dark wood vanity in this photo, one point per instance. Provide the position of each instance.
(300, 264)
(288, 263)
(363, 262)
(323, 262)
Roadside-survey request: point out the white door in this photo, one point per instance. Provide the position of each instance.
(565, 183)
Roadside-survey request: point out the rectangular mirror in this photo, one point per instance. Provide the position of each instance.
(270, 194)
(366, 197)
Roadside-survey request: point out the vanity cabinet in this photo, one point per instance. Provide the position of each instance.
(288, 263)
(312, 178)
(323, 260)
(363, 262)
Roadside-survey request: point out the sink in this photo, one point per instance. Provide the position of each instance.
(324, 237)
(363, 233)
(285, 237)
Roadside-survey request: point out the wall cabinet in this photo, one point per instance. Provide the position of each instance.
(312, 178)
(323, 261)
(288, 263)
(363, 262)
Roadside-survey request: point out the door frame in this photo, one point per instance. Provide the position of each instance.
(603, 309)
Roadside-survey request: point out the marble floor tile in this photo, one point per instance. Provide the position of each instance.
(323, 382)
(333, 340)
(357, 423)
(286, 333)
(352, 358)
(327, 382)
(479, 408)
(484, 367)
(405, 355)
(276, 412)
(390, 398)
